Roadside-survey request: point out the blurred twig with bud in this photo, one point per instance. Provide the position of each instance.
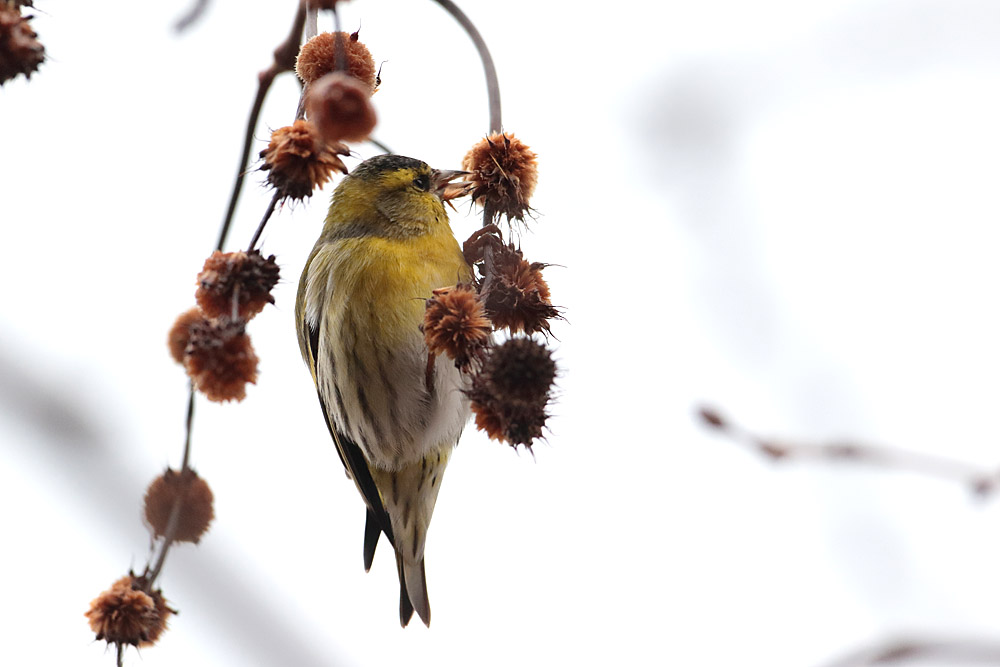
(981, 482)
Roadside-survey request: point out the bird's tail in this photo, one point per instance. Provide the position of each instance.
(409, 495)
(412, 591)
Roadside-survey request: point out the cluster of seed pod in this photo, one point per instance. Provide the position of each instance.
(510, 383)
(339, 76)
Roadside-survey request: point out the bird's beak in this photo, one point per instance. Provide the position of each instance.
(442, 186)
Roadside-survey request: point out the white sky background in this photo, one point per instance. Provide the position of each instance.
(786, 209)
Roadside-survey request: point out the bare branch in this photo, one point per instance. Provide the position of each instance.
(981, 482)
(192, 15)
(899, 651)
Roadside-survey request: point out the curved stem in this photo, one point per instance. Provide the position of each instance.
(492, 82)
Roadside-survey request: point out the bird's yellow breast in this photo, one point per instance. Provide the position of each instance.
(381, 283)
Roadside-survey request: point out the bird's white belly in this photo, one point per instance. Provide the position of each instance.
(384, 402)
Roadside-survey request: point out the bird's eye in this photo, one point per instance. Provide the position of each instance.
(423, 182)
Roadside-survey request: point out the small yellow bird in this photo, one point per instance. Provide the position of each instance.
(394, 418)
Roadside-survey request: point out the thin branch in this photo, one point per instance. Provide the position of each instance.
(263, 221)
(284, 61)
(187, 429)
(379, 145)
(490, 70)
(312, 19)
(981, 482)
(192, 15)
(175, 511)
(312, 29)
(899, 651)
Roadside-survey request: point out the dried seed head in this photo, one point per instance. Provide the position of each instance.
(298, 161)
(517, 298)
(236, 278)
(196, 511)
(20, 50)
(340, 107)
(180, 332)
(454, 323)
(505, 172)
(522, 369)
(318, 57)
(220, 360)
(511, 392)
(125, 614)
(515, 424)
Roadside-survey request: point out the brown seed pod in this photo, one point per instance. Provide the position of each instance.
(319, 56)
(245, 279)
(125, 614)
(220, 360)
(180, 333)
(196, 511)
(504, 171)
(298, 161)
(340, 107)
(517, 296)
(455, 324)
(511, 392)
(20, 50)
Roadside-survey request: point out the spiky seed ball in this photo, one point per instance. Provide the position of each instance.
(246, 278)
(124, 614)
(515, 424)
(318, 57)
(180, 333)
(341, 109)
(220, 360)
(20, 50)
(504, 171)
(196, 511)
(455, 324)
(521, 369)
(511, 393)
(517, 298)
(298, 161)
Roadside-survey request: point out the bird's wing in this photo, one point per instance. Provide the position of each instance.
(350, 454)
